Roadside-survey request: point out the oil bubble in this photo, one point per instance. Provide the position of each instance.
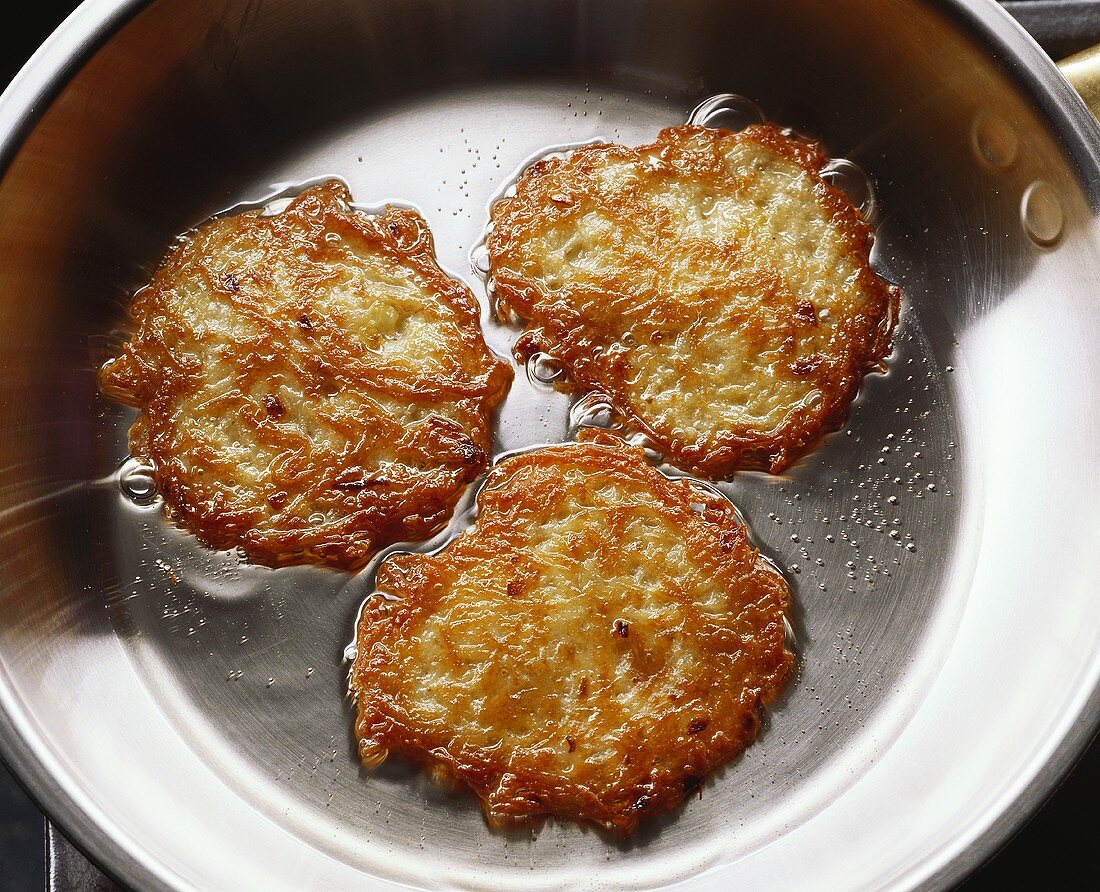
(593, 410)
(853, 181)
(728, 111)
(136, 483)
(479, 259)
(542, 368)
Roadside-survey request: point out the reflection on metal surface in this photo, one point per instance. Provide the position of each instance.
(68, 870)
(923, 539)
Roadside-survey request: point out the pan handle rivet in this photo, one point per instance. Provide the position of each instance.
(995, 141)
(1042, 215)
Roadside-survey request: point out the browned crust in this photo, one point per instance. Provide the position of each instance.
(584, 344)
(664, 757)
(159, 367)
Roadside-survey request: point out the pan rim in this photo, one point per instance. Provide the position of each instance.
(23, 748)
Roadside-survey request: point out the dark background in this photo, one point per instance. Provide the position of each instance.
(1059, 844)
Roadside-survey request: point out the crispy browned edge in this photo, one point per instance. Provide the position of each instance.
(718, 536)
(556, 335)
(138, 380)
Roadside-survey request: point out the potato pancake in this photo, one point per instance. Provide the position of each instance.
(712, 285)
(598, 642)
(312, 386)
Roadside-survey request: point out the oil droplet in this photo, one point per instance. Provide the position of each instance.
(1041, 214)
(351, 653)
(995, 142)
(727, 110)
(853, 181)
(137, 484)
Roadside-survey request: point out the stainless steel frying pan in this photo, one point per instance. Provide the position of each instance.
(182, 715)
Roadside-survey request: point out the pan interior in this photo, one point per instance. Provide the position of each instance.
(165, 684)
(247, 663)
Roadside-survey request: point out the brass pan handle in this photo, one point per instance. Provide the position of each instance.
(1082, 70)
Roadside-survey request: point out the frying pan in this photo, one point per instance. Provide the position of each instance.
(182, 715)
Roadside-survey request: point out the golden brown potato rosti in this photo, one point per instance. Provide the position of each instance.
(312, 386)
(592, 648)
(711, 284)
